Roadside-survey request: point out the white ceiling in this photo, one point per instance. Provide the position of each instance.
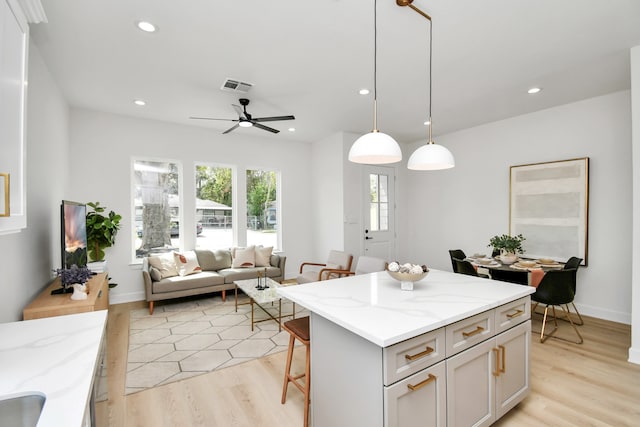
(310, 58)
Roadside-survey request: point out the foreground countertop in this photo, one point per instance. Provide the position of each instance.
(374, 307)
(55, 357)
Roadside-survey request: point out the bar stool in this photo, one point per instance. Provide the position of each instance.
(298, 329)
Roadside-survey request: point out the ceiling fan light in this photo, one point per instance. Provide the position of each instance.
(375, 148)
(245, 124)
(431, 157)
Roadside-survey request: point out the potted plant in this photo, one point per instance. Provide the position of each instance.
(509, 246)
(101, 230)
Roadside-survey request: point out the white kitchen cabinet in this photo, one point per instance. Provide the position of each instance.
(14, 42)
(485, 381)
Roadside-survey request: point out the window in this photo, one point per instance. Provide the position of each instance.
(262, 208)
(157, 206)
(379, 205)
(214, 207)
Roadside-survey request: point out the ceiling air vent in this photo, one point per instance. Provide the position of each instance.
(233, 85)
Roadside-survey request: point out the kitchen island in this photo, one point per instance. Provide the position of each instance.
(452, 352)
(56, 358)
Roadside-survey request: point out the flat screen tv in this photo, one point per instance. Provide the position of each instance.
(74, 234)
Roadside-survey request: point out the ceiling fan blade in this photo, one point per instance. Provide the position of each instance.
(231, 128)
(239, 111)
(273, 119)
(263, 127)
(211, 118)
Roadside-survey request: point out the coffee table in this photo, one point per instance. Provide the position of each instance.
(261, 297)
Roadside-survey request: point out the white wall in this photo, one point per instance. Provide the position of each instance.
(29, 256)
(102, 146)
(463, 207)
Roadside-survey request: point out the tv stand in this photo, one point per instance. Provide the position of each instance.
(48, 304)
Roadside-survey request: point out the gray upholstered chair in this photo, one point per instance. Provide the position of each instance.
(369, 264)
(337, 263)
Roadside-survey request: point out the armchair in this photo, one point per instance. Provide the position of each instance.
(337, 263)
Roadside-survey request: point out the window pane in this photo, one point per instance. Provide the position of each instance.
(262, 208)
(373, 187)
(383, 180)
(384, 216)
(373, 217)
(157, 207)
(214, 211)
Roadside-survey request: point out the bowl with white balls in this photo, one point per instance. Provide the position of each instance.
(407, 273)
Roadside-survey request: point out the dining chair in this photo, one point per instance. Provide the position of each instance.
(556, 289)
(574, 263)
(456, 254)
(464, 267)
(368, 264)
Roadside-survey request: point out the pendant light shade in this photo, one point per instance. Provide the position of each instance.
(375, 147)
(431, 157)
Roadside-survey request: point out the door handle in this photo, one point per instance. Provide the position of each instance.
(367, 238)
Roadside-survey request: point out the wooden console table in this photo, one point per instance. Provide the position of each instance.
(47, 305)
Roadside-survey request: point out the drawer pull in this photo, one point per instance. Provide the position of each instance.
(474, 332)
(412, 357)
(421, 384)
(504, 358)
(516, 314)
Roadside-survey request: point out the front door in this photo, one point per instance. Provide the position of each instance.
(379, 212)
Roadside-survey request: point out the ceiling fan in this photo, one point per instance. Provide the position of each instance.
(245, 119)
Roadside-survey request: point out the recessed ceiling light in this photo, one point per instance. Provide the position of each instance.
(534, 90)
(140, 102)
(146, 26)
(292, 129)
(364, 92)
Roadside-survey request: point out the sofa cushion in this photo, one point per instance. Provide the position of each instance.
(165, 263)
(263, 256)
(155, 274)
(244, 258)
(187, 263)
(213, 260)
(233, 274)
(194, 281)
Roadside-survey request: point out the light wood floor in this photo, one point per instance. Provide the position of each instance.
(572, 385)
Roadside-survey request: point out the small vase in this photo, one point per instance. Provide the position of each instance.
(79, 292)
(508, 257)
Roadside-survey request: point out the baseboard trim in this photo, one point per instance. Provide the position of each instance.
(119, 298)
(600, 313)
(634, 355)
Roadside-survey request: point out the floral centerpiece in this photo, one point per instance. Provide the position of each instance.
(509, 247)
(74, 274)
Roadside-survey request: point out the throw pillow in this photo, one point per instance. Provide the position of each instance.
(165, 263)
(187, 263)
(263, 256)
(155, 274)
(244, 257)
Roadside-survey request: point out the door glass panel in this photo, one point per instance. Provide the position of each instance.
(379, 208)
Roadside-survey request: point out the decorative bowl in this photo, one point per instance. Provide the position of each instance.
(406, 279)
(484, 261)
(527, 264)
(546, 261)
(508, 259)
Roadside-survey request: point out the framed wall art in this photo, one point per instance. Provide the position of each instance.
(549, 206)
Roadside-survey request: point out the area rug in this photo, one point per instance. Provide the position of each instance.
(184, 338)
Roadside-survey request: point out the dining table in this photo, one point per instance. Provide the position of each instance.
(525, 271)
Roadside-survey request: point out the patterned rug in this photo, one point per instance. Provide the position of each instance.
(189, 337)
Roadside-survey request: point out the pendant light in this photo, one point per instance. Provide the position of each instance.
(430, 156)
(375, 147)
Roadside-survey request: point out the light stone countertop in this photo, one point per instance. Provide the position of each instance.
(55, 357)
(374, 307)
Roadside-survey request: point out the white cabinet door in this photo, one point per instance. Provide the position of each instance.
(512, 385)
(471, 386)
(418, 401)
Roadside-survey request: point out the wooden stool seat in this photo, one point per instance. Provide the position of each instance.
(298, 329)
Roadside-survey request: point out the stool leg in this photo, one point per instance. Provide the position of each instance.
(307, 388)
(287, 370)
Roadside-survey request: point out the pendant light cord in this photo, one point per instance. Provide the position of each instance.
(375, 66)
(430, 77)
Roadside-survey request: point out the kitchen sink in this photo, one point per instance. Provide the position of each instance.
(21, 411)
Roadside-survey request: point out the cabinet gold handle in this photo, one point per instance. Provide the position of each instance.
(428, 350)
(474, 332)
(504, 358)
(516, 314)
(496, 352)
(421, 384)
